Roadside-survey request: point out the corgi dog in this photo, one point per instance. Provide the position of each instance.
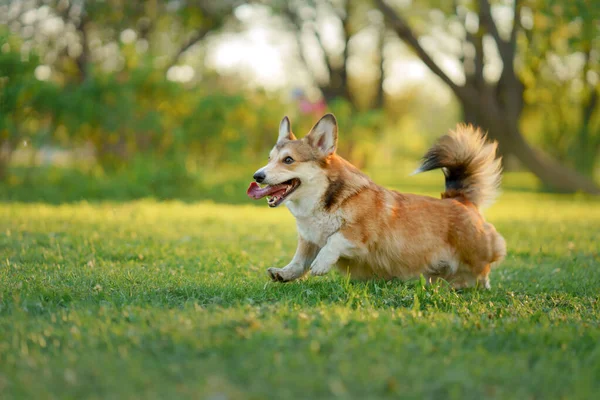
(346, 220)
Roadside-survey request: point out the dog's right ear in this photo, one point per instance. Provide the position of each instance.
(285, 130)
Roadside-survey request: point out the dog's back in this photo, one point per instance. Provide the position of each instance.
(405, 235)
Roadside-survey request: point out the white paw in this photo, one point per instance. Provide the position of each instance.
(318, 270)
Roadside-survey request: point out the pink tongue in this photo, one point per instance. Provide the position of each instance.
(255, 192)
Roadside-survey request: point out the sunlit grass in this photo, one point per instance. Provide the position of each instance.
(146, 299)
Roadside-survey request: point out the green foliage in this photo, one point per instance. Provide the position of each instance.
(143, 178)
(560, 70)
(138, 116)
(361, 131)
(23, 108)
(157, 300)
(132, 113)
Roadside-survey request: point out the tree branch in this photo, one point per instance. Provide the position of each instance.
(516, 24)
(476, 40)
(343, 70)
(214, 15)
(338, 77)
(591, 103)
(403, 30)
(505, 48)
(485, 15)
(293, 19)
(325, 54)
(82, 61)
(192, 40)
(380, 96)
(326, 59)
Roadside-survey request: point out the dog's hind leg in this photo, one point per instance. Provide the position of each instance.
(467, 277)
(305, 254)
(483, 280)
(439, 271)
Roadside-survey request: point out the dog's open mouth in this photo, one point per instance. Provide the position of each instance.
(276, 193)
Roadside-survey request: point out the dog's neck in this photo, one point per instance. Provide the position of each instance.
(327, 192)
(307, 205)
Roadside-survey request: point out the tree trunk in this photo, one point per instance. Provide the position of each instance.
(587, 145)
(551, 173)
(379, 102)
(471, 115)
(5, 155)
(336, 88)
(83, 59)
(506, 131)
(503, 127)
(3, 169)
(497, 109)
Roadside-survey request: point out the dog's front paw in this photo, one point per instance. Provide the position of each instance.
(280, 275)
(318, 270)
(275, 274)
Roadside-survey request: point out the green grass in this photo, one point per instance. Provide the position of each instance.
(171, 300)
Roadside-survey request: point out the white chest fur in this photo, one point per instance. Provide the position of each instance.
(317, 228)
(316, 225)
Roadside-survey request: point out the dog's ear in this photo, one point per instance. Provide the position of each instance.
(323, 136)
(285, 130)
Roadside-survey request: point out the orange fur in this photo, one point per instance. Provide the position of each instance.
(345, 219)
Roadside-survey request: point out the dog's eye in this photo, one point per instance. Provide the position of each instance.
(288, 160)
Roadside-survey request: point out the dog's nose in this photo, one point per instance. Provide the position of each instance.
(259, 176)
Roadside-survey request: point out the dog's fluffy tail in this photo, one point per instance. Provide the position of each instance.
(469, 163)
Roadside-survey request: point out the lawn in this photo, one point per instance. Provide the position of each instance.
(147, 299)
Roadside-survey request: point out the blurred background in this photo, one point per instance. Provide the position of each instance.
(181, 99)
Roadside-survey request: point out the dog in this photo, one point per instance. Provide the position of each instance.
(346, 220)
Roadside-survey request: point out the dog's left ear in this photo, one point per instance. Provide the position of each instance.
(285, 130)
(323, 136)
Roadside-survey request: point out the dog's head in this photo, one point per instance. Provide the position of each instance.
(295, 166)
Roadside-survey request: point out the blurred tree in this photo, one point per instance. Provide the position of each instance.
(110, 59)
(349, 18)
(25, 112)
(164, 29)
(326, 33)
(100, 75)
(561, 73)
(496, 103)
